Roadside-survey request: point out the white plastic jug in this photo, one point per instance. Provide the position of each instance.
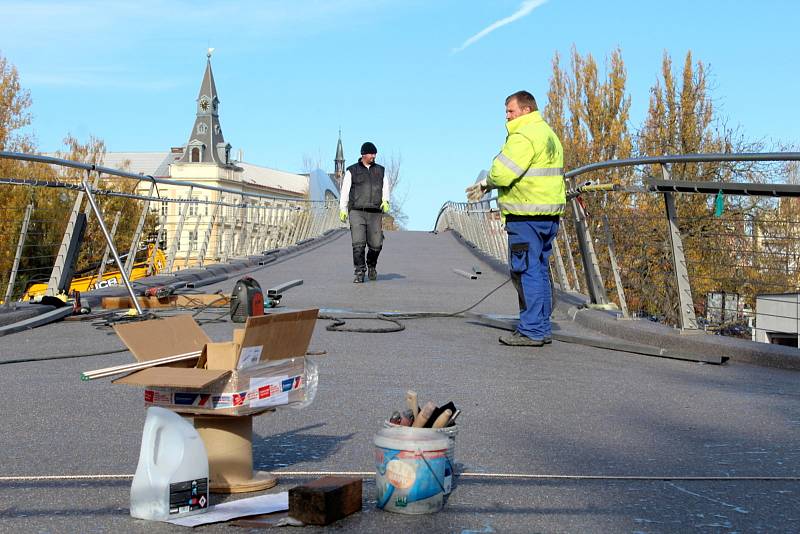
(172, 476)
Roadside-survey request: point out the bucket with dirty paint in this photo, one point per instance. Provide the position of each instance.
(451, 432)
(411, 466)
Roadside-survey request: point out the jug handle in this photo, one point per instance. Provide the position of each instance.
(151, 445)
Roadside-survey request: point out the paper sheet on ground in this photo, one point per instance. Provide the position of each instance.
(263, 504)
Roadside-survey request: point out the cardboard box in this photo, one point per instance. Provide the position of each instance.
(264, 366)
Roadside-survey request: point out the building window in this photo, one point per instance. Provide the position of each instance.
(202, 128)
(195, 155)
(192, 240)
(206, 205)
(193, 207)
(164, 209)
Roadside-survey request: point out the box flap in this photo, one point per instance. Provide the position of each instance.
(280, 335)
(222, 356)
(238, 336)
(173, 377)
(158, 338)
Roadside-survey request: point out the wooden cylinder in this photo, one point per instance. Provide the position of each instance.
(229, 445)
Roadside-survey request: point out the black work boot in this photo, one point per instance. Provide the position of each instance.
(359, 278)
(519, 340)
(372, 273)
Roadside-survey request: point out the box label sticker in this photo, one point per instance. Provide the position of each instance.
(249, 356)
(188, 496)
(264, 391)
(152, 396)
(186, 399)
(270, 391)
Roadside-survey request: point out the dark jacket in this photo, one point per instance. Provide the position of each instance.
(366, 186)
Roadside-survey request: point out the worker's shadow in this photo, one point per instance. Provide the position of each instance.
(390, 276)
(295, 446)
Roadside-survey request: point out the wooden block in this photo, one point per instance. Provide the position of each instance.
(325, 500)
(172, 301)
(117, 303)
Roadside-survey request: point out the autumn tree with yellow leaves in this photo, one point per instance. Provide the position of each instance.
(51, 206)
(590, 113)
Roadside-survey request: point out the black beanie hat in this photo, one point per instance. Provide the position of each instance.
(368, 148)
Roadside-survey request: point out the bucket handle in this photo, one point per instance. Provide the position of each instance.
(422, 455)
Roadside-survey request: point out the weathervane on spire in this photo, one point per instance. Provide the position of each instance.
(209, 52)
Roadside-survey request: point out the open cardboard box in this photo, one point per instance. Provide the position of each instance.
(261, 368)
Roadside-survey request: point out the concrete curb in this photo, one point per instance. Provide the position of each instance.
(654, 334)
(650, 333)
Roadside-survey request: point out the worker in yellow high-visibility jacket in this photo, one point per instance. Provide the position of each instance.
(529, 178)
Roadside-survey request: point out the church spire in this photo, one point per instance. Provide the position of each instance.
(206, 143)
(338, 169)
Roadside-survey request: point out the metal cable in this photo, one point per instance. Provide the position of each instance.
(517, 476)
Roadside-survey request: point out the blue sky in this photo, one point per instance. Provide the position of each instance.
(424, 80)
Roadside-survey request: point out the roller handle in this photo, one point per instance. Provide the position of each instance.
(424, 414)
(412, 403)
(443, 419)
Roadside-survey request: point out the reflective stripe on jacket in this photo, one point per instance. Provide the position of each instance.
(528, 172)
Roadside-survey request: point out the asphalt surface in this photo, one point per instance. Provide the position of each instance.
(630, 430)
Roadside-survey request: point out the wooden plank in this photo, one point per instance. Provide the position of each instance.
(173, 301)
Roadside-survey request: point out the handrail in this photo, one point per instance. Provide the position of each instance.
(36, 158)
(260, 221)
(134, 196)
(685, 158)
(481, 231)
(655, 160)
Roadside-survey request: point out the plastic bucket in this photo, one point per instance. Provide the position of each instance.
(411, 465)
(451, 432)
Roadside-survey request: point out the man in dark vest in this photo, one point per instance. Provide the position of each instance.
(364, 199)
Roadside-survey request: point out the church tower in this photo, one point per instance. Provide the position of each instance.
(338, 169)
(206, 143)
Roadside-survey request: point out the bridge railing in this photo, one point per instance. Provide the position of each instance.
(152, 225)
(712, 253)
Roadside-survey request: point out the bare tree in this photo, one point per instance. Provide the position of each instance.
(311, 162)
(397, 219)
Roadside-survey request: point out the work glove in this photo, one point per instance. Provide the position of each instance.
(342, 215)
(385, 206)
(476, 191)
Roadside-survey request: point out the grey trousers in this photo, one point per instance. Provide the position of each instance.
(366, 229)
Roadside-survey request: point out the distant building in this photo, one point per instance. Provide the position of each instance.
(777, 319)
(206, 159)
(338, 163)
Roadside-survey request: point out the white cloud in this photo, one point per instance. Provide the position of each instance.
(524, 9)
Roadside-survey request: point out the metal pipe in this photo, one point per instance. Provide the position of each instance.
(99, 216)
(101, 271)
(122, 174)
(137, 234)
(23, 233)
(685, 158)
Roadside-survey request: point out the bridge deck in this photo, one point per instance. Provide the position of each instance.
(561, 410)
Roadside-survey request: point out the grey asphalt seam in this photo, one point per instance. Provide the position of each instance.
(521, 476)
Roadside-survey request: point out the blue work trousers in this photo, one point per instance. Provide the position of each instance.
(530, 244)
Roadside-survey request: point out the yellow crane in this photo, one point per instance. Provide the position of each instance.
(110, 278)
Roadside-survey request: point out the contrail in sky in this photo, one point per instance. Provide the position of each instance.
(524, 9)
